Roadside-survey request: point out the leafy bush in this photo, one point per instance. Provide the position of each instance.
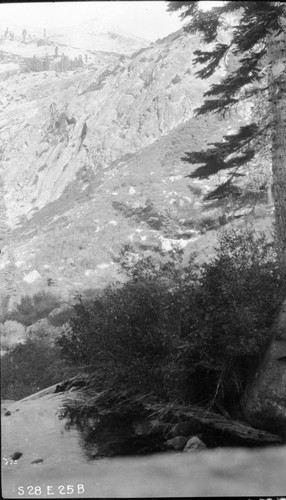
(43, 330)
(12, 333)
(151, 265)
(228, 322)
(183, 334)
(31, 309)
(125, 336)
(128, 333)
(30, 367)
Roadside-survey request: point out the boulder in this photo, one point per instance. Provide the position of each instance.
(265, 396)
(5, 403)
(60, 315)
(32, 276)
(60, 310)
(38, 328)
(194, 444)
(265, 400)
(176, 443)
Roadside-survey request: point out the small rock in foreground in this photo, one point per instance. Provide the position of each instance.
(177, 443)
(37, 461)
(194, 444)
(16, 455)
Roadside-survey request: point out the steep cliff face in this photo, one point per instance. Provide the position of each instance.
(54, 125)
(94, 158)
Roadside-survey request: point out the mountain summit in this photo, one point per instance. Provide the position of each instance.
(98, 35)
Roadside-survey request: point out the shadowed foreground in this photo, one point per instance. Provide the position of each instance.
(32, 427)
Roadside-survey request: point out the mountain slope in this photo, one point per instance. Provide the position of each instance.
(96, 158)
(143, 199)
(122, 109)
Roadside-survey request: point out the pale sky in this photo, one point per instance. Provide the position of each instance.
(146, 19)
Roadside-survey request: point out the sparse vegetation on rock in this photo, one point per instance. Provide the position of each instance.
(32, 308)
(12, 333)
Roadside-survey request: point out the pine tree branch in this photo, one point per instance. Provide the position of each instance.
(213, 57)
(244, 79)
(221, 105)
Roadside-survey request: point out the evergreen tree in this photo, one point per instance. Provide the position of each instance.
(24, 35)
(34, 63)
(64, 63)
(46, 63)
(257, 45)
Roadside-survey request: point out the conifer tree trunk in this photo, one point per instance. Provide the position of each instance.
(277, 90)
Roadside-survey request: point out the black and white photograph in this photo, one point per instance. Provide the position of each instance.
(143, 249)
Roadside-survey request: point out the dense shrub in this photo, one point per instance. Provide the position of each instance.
(208, 222)
(4, 302)
(228, 321)
(125, 336)
(182, 334)
(31, 309)
(30, 367)
(11, 333)
(43, 330)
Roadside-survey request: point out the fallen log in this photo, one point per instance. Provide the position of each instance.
(218, 428)
(76, 382)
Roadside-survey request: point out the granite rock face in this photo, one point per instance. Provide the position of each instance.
(55, 127)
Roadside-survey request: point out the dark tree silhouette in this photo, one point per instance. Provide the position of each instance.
(258, 45)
